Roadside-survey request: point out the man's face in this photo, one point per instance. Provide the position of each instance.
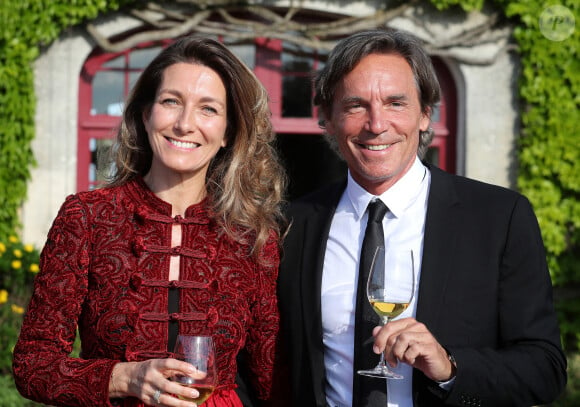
(376, 119)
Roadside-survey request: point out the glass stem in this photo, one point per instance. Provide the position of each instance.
(382, 363)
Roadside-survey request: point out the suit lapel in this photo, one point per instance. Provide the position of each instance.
(441, 232)
(316, 229)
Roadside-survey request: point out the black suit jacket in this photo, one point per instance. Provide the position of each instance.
(485, 293)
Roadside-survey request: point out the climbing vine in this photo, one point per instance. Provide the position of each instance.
(549, 150)
(25, 27)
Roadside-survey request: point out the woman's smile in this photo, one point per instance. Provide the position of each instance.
(185, 145)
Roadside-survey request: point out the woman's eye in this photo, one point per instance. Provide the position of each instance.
(209, 109)
(168, 101)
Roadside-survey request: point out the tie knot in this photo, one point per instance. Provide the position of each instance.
(377, 210)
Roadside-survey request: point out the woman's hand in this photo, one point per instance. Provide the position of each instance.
(149, 382)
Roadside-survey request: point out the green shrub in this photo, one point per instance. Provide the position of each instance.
(18, 266)
(571, 395)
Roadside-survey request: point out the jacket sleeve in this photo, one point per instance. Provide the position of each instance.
(43, 368)
(527, 365)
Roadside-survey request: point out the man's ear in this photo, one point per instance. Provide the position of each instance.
(425, 120)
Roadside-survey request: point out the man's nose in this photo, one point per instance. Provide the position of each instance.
(377, 120)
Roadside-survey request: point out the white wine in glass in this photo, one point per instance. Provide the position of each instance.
(200, 352)
(390, 290)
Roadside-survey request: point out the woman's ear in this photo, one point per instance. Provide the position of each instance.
(145, 117)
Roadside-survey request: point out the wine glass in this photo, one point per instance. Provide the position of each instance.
(390, 289)
(200, 352)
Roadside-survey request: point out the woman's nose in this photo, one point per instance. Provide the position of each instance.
(186, 121)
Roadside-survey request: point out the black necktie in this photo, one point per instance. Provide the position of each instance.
(368, 391)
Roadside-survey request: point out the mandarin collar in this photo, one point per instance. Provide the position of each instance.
(143, 196)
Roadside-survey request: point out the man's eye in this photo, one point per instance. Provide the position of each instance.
(354, 107)
(397, 103)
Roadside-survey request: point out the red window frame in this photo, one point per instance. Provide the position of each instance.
(445, 127)
(269, 71)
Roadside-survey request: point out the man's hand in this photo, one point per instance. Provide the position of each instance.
(410, 342)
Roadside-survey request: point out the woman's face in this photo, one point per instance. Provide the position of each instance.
(187, 123)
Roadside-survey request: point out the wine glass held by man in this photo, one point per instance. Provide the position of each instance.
(183, 240)
(390, 290)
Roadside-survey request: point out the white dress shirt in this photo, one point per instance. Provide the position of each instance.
(403, 226)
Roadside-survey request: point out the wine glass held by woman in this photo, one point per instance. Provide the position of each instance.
(183, 239)
(198, 351)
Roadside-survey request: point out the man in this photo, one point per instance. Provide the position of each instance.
(481, 330)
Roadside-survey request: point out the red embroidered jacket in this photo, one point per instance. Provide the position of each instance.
(105, 266)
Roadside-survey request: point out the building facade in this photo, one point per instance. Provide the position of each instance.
(80, 88)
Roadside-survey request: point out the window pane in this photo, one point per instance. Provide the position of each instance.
(118, 62)
(246, 52)
(298, 66)
(296, 96)
(296, 58)
(133, 76)
(140, 58)
(100, 167)
(107, 93)
(436, 114)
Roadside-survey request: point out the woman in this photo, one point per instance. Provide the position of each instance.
(184, 239)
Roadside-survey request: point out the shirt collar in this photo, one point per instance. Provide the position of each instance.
(397, 198)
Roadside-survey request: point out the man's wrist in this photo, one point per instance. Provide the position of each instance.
(453, 364)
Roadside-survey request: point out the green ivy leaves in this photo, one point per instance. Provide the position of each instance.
(25, 26)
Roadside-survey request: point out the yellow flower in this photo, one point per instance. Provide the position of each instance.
(17, 309)
(28, 248)
(34, 268)
(17, 253)
(13, 239)
(2, 247)
(3, 296)
(16, 264)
